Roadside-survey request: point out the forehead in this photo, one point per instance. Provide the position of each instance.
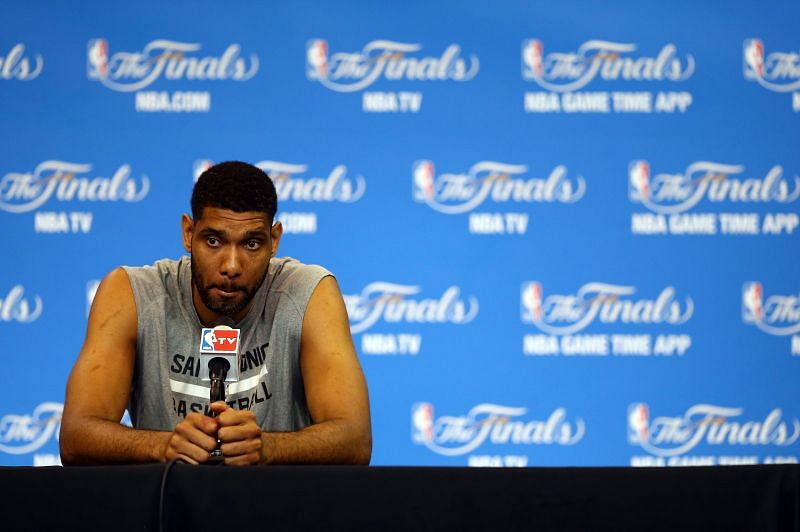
(228, 221)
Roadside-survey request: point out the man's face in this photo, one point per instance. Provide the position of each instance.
(230, 257)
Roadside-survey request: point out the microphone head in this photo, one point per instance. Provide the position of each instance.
(217, 371)
(218, 366)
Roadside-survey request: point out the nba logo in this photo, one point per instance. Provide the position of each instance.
(97, 59)
(219, 340)
(532, 59)
(752, 306)
(199, 167)
(638, 423)
(423, 181)
(317, 59)
(753, 59)
(422, 423)
(531, 301)
(639, 181)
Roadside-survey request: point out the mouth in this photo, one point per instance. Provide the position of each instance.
(227, 291)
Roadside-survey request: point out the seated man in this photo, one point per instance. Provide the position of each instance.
(301, 398)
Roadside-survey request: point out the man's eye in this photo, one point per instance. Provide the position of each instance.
(212, 241)
(253, 244)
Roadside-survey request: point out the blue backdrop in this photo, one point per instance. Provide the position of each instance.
(567, 233)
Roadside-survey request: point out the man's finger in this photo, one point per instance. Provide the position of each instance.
(239, 448)
(196, 452)
(206, 424)
(235, 417)
(196, 437)
(191, 435)
(219, 407)
(179, 448)
(249, 431)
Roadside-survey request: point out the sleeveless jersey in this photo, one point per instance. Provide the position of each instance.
(166, 383)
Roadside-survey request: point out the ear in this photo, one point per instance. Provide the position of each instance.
(276, 232)
(187, 229)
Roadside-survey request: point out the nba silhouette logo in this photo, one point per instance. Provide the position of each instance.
(97, 59)
(638, 423)
(423, 172)
(531, 301)
(207, 340)
(422, 422)
(639, 181)
(200, 166)
(753, 59)
(532, 59)
(317, 59)
(752, 302)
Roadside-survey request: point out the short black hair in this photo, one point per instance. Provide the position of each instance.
(236, 186)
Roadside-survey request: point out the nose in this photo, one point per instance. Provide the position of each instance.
(231, 265)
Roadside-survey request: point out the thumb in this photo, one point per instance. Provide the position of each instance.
(219, 407)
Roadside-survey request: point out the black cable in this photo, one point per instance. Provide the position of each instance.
(161, 505)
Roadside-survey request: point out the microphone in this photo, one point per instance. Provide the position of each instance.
(219, 356)
(219, 363)
(217, 372)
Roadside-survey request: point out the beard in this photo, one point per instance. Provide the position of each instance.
(221, 306)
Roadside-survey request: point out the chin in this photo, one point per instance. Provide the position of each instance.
(227, 310)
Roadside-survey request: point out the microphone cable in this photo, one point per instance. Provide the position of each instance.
(161, 500)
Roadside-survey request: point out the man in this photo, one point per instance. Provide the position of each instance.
(301, 398)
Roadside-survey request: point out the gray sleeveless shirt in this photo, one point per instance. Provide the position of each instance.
(166, 383)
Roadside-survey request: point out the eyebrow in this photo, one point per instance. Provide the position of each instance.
(256, 233)
(222, 233)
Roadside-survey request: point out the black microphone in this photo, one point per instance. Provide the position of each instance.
(218, 366)
(217, 371)
(219, 353)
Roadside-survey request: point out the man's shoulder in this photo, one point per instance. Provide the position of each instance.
(159, 267)
(289, 271)
(296, 278)
(163, 272)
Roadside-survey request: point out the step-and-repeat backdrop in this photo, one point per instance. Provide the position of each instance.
(566, 233)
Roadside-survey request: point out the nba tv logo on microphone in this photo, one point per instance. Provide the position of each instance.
(219, 340)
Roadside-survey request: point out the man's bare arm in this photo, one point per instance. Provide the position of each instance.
(99, 386)
(336, 391)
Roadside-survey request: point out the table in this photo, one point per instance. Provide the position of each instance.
(400, 498)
